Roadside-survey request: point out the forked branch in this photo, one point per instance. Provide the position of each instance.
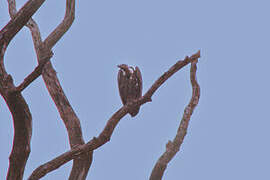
(22, 119)
(36, 73)
(19, 20)
(81, 164)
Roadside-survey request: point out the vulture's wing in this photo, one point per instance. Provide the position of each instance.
(123, 85)
(138, 86)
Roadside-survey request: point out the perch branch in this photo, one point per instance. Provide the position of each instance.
(106, 134)
(173, 147)
(172, 70)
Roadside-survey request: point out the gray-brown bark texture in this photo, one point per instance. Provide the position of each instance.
(22, 134)
(22, 119)
(81, 153)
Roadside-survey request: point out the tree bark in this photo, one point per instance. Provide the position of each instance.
(81, 164)
(22, 119)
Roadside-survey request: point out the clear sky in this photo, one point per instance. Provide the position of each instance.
(228, 137)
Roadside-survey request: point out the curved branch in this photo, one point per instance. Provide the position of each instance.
(36, 73)
(81, 164)
(107, 132)
(2, 66)
(22, 119)
(172, 70)
(173, 147)
(62, 28)
(19, 20)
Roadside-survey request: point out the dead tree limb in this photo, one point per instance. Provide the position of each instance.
(35, 74)
(81, 164)
(62, 28)
(173, 147)
(80, 152)
(106, 134)
(22, 119)
(19, 20)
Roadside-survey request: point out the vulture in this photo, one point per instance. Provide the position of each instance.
(130, 85)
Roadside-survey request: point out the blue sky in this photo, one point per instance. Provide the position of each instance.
(229, 131)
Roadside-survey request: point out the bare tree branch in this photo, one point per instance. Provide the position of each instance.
(81, 164)
(106, 134)
(19, 20)
(62, 28)
(22, 121)
(173, 147)
(12, 8)
(80, 152)
(18, 107)
(36, 73)
(30, 24)
(2, 66)
(171, 71)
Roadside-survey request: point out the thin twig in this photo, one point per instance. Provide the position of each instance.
(106, 134)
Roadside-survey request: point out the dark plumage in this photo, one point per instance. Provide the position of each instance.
(130, 85)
